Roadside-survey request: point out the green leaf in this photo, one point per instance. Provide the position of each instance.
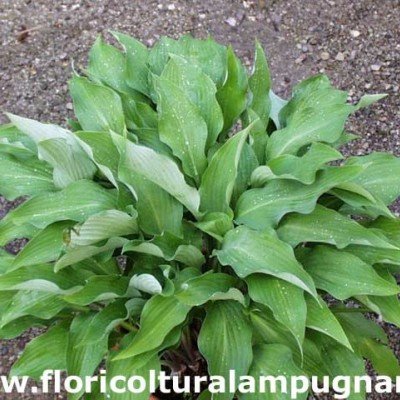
(107, 64)
(97, 107)
(44, 247)
(146, 283)
(380, 175)
(339, 360)
(232, 96)
(47, 351)
(76, 202)
(274, 360)
(285, 300)
(137, 54)
(29, 177)
(218, 180)
(130, 367)
(302, 169)
(101, 288)
(215, 224)
(198, 290)
(262, 208)
(33, 303)
(101, 226)
(260, 85)
(200, 89)
(157, 168)
(103, 322)
(182, 127)
(75, 254)
(42, 278)
(364, 335)
(320, 318)
(83, 360)
(328, 226)
(59, 148)
(369, 99)
(277, 104)
(168, 247)
(317, 112)
(343, 275)
(10, 231)
(232, 348)
(386, 306)
(101, 149)
(159, 317)
(249, 252)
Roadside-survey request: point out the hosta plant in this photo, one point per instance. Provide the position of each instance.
(190, 220)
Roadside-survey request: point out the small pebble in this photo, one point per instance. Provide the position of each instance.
(375, 67)
(324, 55)
(231, 21)
(171, 7)
(355, 33)
(339, 56)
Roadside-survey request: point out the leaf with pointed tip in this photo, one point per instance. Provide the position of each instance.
(82, 361)
(159, 169)
(316, 113)
(369, 99)
(76, 202)
(260, 85)
(101, 149)
(42, 278)
(386, 306)
(321, 319)
(198, 290)
(102, 226)
(230, 350)
(274, 360)
(26, 178)
(219, 178)
(76, 254)
(44, 247)
(380, 175)
(97, 107)
(340, 361)
(249, 252)
(59, 148)
(47, 351)
(370, 341)
(182, 127)
(200, 89)
(159, 317)
(302, 169)
(232, 95)
(262, 208)
(343, 275)
(277, 104)
(324, 225)
(101, 288)
(17, 327)
(137, 54)
(284, 299)
(42, 305)
(108, 65)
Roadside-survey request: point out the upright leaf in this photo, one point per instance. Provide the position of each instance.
(218, 180)
(232, 348)
(97, 107)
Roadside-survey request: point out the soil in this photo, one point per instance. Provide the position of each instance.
(357, 43)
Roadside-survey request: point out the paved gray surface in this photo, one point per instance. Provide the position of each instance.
(357, 43)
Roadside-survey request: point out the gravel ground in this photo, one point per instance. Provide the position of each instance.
(357, 43)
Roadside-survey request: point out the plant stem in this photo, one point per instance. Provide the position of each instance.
(129, 327)
(351, 310)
